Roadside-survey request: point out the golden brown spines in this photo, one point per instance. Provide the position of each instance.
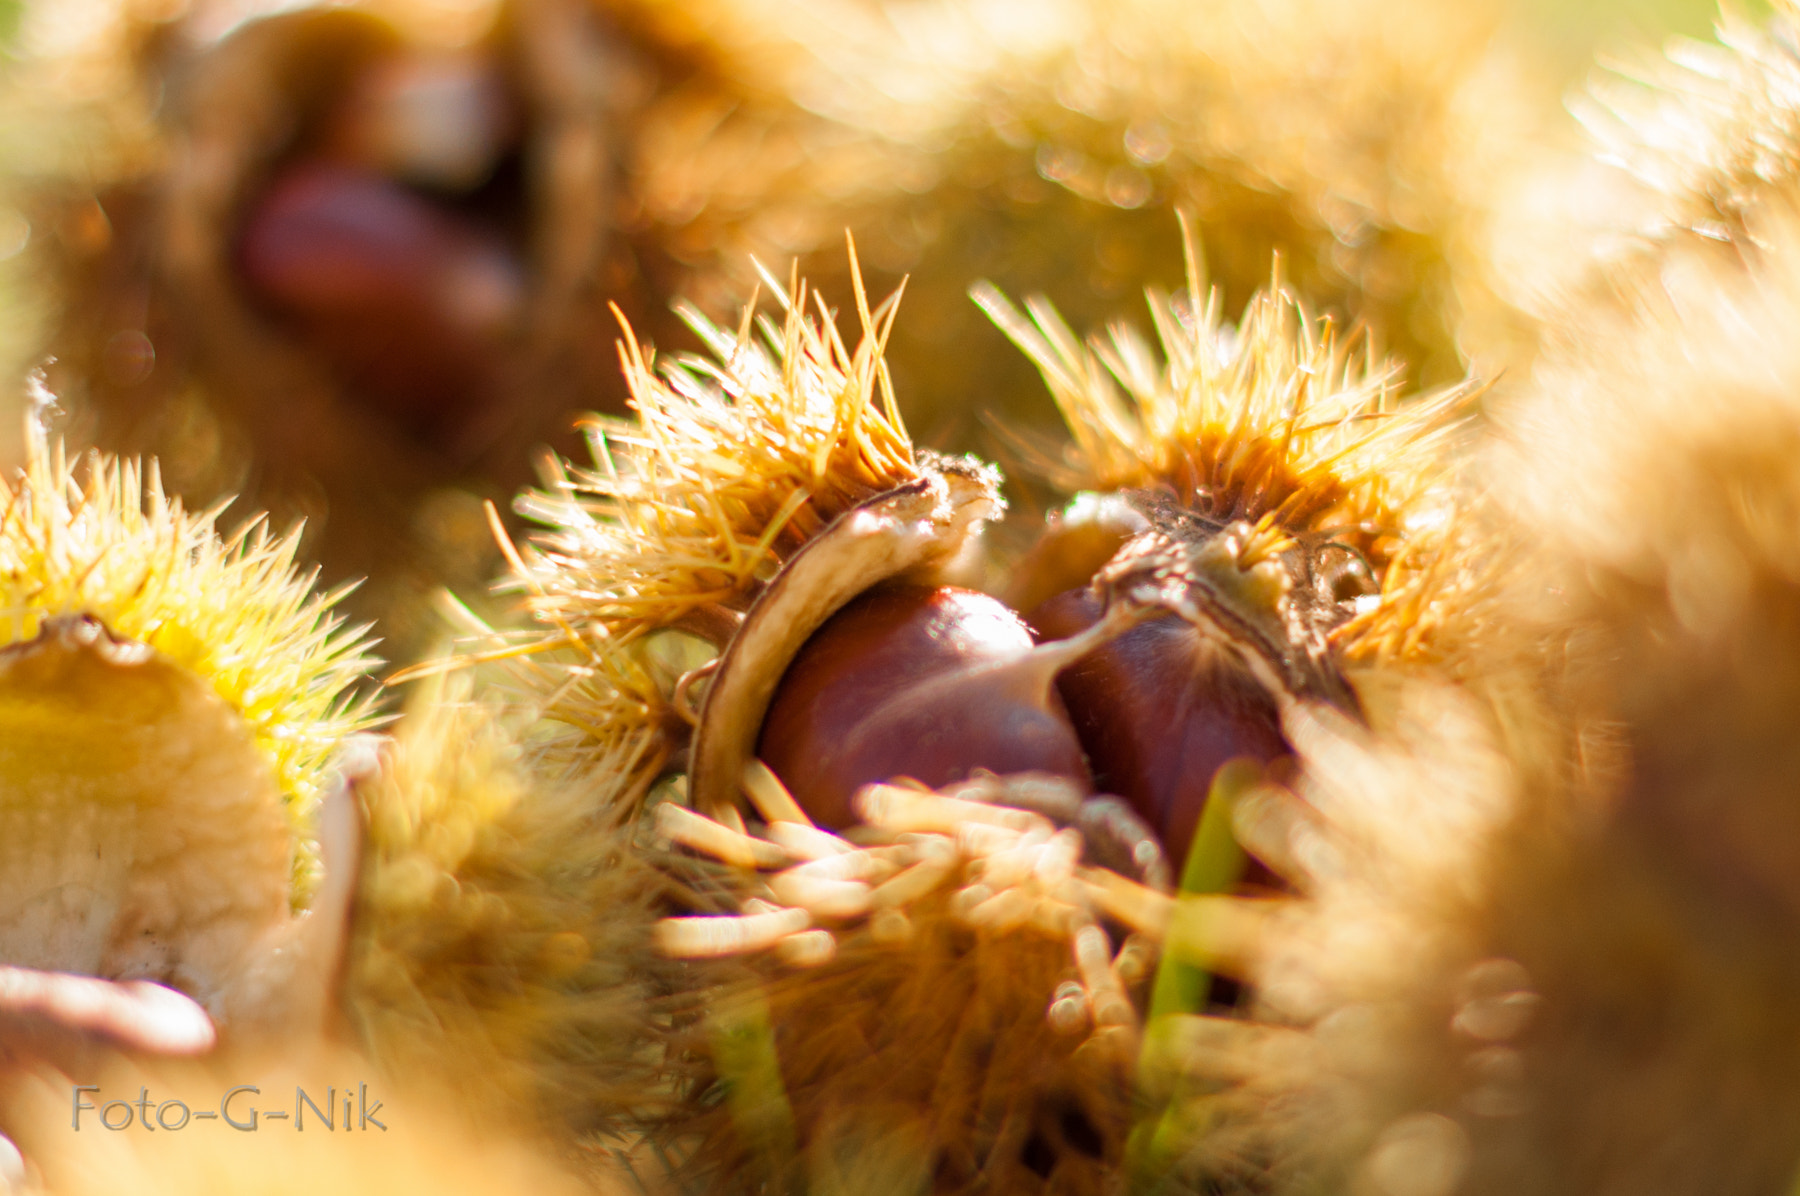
(502, 933)
(731, 463)
(1561, 909)
(1278, 423)
(100, 539)
(735, 463)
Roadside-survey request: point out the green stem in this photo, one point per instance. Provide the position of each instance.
(743, 1049)
(1215, 862)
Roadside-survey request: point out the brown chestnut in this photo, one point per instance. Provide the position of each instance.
(915, 681)
(409, 299)
(1159, 708)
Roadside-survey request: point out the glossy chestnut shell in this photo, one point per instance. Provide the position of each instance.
(1159, 709)
(930, 683)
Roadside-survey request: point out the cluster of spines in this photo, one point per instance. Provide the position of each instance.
(731, 463)
(1277, 421)
(100, 537)
(497, 908)
(1713, 130)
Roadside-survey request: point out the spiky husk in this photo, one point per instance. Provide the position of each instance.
(1278, 422)
(502, 938)
(938, 1008)
(730, 464)
(100, 538)
(925, 1064)
(733, 463)
(1711, 128)
(1551, 950)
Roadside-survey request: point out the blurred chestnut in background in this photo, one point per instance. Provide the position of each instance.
(390, 242)
(366, 270)
(411, 302)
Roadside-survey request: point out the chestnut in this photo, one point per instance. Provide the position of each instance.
(411, 299)
(927, 682)
(1159, 709)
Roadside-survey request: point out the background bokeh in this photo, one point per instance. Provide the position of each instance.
(1443, 201)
